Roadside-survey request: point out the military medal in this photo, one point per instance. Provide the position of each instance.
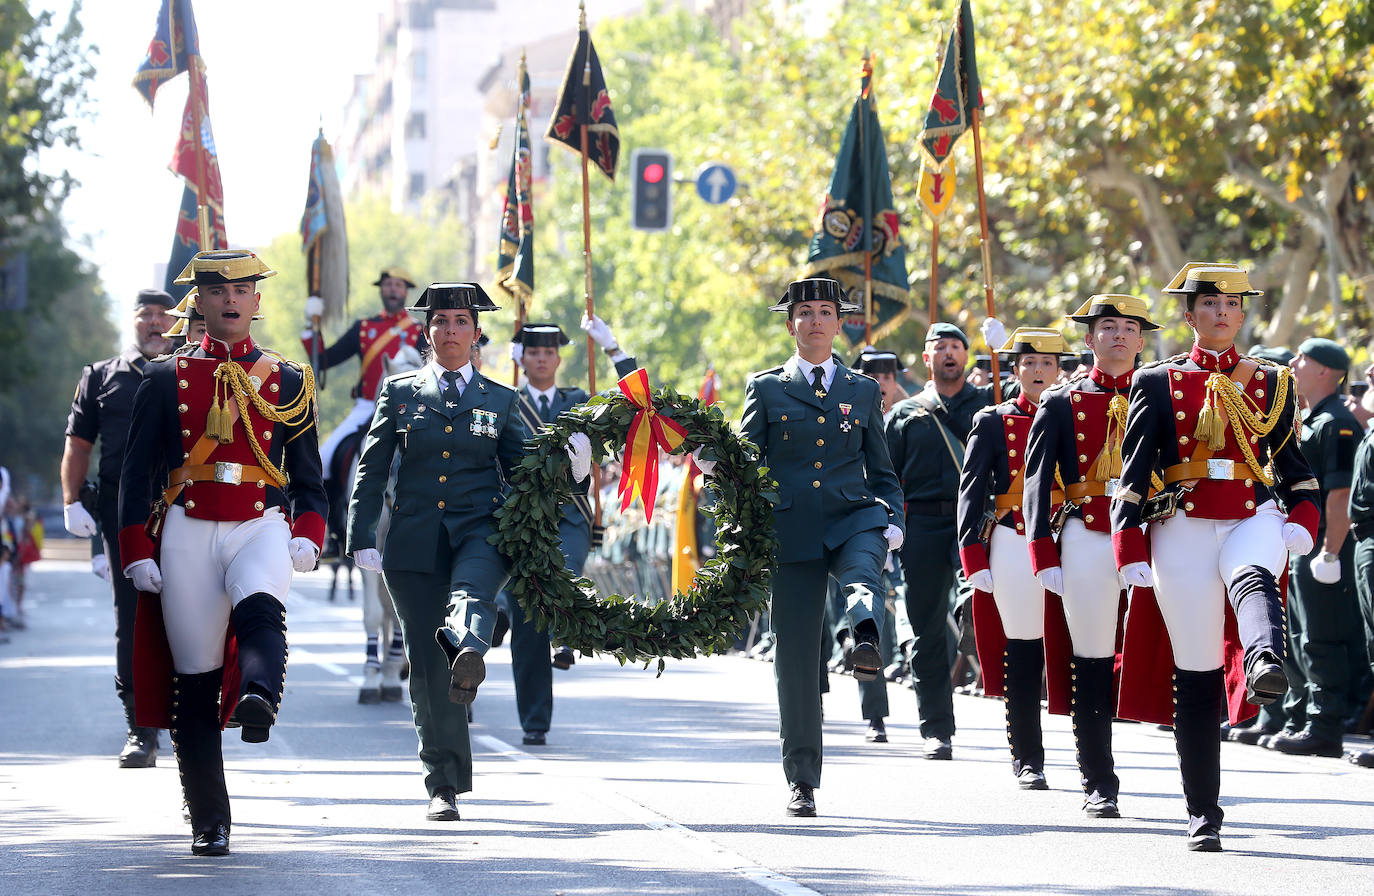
(845, 422)
(483, 423)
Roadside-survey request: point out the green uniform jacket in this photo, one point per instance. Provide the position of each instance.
(828, 455)
(1330, 437)
(454, 462)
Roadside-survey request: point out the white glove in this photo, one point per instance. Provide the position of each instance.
(100, 565)
(369, 559)
(1326, 568)
(1297, 539)
(1138, 575)
(303, 554)
(314, 307)
(517, 351)
(894, 536)
(994, 334)
(982, 580)
(78, 521)
(580, 453)
(145, 575)
(888, 565)
(1052, 579)
(707, 467)
(600, 333)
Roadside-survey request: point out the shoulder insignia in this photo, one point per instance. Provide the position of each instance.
(769, 371)
(500, 386)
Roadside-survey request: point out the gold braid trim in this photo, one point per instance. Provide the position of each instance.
(1245, 417)
(236, 382)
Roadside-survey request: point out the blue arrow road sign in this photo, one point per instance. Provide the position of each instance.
(715, 182)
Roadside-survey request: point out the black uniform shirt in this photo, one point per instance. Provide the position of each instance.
(102, 408)
(1362, 490)
(1330, 435)
(920, 453)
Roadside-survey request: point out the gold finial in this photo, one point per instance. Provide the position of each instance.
(581, 15)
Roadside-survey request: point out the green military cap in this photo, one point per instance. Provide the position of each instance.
(940, 331)
(1326, 353)
(1107, 305)
(223, 266)
(1276, 353)
(816, 289)
(1036, 341)
(1198, 277)
(440, 296)
(541, 335)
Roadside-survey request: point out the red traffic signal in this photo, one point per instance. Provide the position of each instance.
(651, 202)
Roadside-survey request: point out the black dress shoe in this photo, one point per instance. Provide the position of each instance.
(877, 732)
(256, 716)
(863, 657)
(214, 842)
(1205, 839)
(1264, 679)
(443, 806)
(140, 749)
(1362, 758)
(1250, 735)
(1031, 779)
(534, 739)
(803, 801)
(466, 667)
(563, 657)
(937, 748)
(1305, 743)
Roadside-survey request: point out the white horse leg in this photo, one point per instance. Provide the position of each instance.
(393, 667)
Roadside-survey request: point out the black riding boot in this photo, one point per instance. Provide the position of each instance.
(1198, 700)
(1024, 667)
(259, 623)
(196, 740)
(140, 748)
(1254, 596)
(1092, 713)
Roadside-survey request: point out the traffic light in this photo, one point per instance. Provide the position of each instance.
(651, 200)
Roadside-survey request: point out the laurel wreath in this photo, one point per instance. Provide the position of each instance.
(728, 589)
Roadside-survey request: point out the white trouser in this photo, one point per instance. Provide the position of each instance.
(360, 416)
(207, 568)
(1017, 592)
(1194, 561)
(1092, 589)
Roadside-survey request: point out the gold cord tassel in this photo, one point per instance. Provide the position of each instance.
(1109, 460)
(219, 422)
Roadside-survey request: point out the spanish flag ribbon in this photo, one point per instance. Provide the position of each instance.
(649, 431)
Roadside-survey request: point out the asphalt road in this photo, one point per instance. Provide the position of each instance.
(668, 785)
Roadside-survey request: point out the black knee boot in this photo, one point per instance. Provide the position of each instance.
(140, 747)
(1092, 712)
(1198, 700)
(1024, 667)
(259, 623)
(1254, 596)
(196, 740)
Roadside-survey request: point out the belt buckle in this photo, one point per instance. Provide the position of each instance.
(228, 473)
(1219, 468)
(1110, 486)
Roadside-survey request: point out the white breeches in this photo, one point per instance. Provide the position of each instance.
(1194, 561)
(1092, 589)
(360, 416)
(207, 568)
(1017, 592)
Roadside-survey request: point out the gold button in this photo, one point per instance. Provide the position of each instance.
(262, 484)
(1077, 397)
(276, 367)
(1177, 375)
(441, 505)
(1180, 415)
(273, 386)
(448, 429)
(1183, 440)
(1188, 506)
(1011, 452)
(190, 505)
(186, 433)
(1249, 483)
(1020, 526)
(443, 479)
(181, 364)
(1254, 440)
(820, 443)
(183, 384)
(1016, 507)
(258, 505)
(1178, 393)
(816, 484)
(1249, 505)
(1259, 393)
(784, 418)
(1011, 436)
(185, 455)
(820, 419)
(818, 465)
(183, 408)
(1081, 437)
(1082, 416)
(1082, 458)
(446, 455)
(267, 434)
(1088, 518)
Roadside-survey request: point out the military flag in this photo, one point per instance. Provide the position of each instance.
(185, 243)
(195, 158)
(324, 237)
(958, 93)
(584, 100)
(175, 41)
(857, 239)
(515, 257)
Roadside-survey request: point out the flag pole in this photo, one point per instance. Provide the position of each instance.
(584, 117)
(519, 325)
(984, 242)
(864, 91)
(934, 305)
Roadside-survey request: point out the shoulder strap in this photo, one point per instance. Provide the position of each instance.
(953, 445)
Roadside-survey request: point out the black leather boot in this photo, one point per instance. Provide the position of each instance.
(200, 763)
(259, 623)
(1198, 700)
(1092, 712)
(140, 747)
(1024, 667)
(1254, 596)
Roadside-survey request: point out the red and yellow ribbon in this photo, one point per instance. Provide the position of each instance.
(649, 431)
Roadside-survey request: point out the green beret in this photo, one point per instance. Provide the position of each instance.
(942, 330)
(1326, 353)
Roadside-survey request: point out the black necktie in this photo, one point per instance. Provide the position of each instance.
(544, 409)
(451, 380)
(817, 375)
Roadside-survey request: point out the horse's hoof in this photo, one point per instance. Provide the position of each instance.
(391, 694)
(369, 695)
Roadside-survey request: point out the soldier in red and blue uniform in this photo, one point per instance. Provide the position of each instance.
(1075, 446)
(220, 500)
(1237, 498)
(1008, 601)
